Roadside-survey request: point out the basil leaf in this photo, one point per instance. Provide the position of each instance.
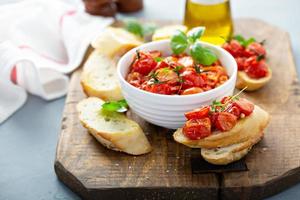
(243, 41)
(179, 42)
(133, 26)
(195, 34)
(158, 59)
(203, 55)
(115, 106)
(249, 41)
(239, 38)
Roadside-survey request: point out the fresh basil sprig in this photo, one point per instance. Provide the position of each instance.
(181, 41)
(115, 106)
(141, 30)
(244, 42)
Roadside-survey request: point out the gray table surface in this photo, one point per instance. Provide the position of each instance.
(28, 138)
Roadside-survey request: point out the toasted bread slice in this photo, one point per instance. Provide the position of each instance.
(113, 130)
(229, 154)
(245, 129)
(99, 77)
(115, 42)
(166, 32)
(243, 80)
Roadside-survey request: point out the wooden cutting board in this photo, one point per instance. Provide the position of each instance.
(94, 172)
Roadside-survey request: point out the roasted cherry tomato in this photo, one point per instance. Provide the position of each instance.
(240, 62)
(155, 54)
(192, 90)
(166, 75)
(255, 48)
(255, 68)
(192, 79)
(135, 79)
(234, 48)
(225, 121)
(235, 111)
(246, 107)
(198, 113)
(196, 129)
(144, 64)
(159, 88)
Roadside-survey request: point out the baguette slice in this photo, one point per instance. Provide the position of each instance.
(115, 42)
(245, 129)
(229, 154)
(166, 32)
(243, 80)
(114, 130)
(99, 77)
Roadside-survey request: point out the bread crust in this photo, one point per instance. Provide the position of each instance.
(229, 154)
(242, 131)
(97, 68)
(243, 80)
(131, 140)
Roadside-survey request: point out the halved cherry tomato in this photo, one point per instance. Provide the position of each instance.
(240, 62)
(198, 113)
(234, 48)
(135, 79)
(196, 129)
(155, 54)
(145, 64)
(256, 69)
(255, 48)
(225, 99)
(166, 75)
(192, 79)
(225, 121)
(159, 88)
(246, 107)
(192, 90)
(235, 111)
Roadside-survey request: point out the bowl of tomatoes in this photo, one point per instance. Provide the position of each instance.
(160, 84)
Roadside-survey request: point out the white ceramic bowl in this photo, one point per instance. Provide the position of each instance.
(168, 110)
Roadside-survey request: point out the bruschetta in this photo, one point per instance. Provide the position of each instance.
(253, 72)
(230, 127)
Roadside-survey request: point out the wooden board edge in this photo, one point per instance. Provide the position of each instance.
(132, 193)
(261, 191)
(70, 180)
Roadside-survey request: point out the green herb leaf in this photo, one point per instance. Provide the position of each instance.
(203, 55)
(179, 42)
(158, 59)
(243, 41)
(249, 41)
(137, 28)
(115, 106)
(177, 69)
(239, 38)
(133, 26)
(195, 33)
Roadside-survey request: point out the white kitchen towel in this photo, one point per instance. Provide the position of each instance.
(41, 41)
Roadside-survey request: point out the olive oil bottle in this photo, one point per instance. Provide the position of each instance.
(215, 15)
